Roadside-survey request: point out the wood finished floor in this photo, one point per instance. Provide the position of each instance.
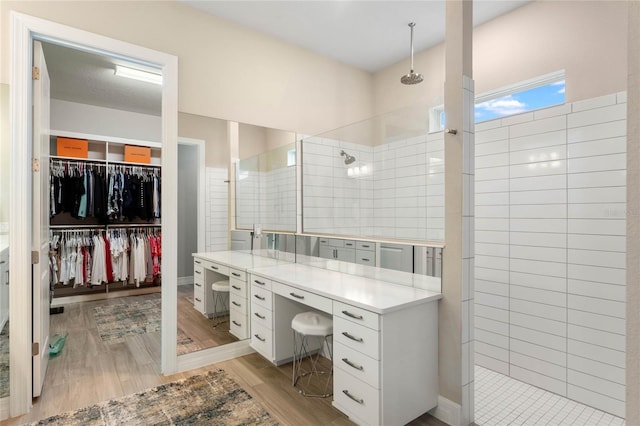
(89, 371)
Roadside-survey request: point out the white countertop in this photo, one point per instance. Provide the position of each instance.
(239, 259)
(367, 293)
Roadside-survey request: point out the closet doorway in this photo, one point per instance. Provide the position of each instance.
(102, 153)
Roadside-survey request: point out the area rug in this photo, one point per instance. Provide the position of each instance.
(115, 322)
(207, 399)
(4, 361)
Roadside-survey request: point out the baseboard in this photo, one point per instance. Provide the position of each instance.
(185, 280)
(213, 355)
(60, 301)
(4, 408)
(448, 412)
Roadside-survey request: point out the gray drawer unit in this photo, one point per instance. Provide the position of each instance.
(396, 256)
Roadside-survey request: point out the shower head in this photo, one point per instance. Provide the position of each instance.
(348, 159)
(412, 77)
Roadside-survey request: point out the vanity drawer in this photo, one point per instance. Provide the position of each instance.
(356, 397)
(237, 303)
(238, 273)
(198, 273)
(310, 299)
(357, 337)
(365, 259)
(199, 302)
(357, 315)
(260, 282)
(238, 287)
(261, 340)
(261, 297)
(365, 245)
(261, 316)
(198, 286)
(357, 364)
(238, 325)
(216, 267)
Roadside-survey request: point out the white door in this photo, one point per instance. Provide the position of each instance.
(40, 232)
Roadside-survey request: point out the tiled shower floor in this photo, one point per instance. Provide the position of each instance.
(501, 400)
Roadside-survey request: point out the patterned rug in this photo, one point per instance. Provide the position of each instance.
(4, 361)
(116, 322)
(207, 399)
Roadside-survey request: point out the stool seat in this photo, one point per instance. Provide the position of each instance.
(312, 324)
(220, 286)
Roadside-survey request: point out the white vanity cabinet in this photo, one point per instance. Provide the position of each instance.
(385, 366)
(385, 337)
(360, 252)
(238, 306)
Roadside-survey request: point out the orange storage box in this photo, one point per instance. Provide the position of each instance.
(69, 147)
(137, 154)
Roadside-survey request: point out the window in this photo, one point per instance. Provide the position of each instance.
(541, 92)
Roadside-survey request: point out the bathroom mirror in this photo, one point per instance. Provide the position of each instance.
(391, 262)
(266, 179)
(380, 178)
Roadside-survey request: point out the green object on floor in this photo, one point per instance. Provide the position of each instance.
(56, 344)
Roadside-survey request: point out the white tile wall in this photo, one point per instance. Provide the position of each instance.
(397, 190)
(550, 247)
(216, 211)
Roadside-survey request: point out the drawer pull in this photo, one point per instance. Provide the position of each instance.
(198, 285)
(236, 303)
(235, 287)
(366, 260)
(235, 274)
(351, 364)
(350, 315)
(348, 244)
(257, 336)
(198, 262)
(259, 316)
(259, 282)
(198, 300)
(198, 272)
(366, 245)
(259, 297)
(349, 336)
(358, 400)
(236, 323)
(214, 267)
(297, 296)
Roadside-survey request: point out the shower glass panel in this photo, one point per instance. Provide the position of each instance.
(379, 178)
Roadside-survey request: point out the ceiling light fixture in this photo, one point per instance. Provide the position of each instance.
(136, 74)
(412, 77)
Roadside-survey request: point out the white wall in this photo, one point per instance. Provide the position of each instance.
(226, 71)
(588, 39)
(550, 249)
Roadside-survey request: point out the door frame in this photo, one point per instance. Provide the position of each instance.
(24, 29)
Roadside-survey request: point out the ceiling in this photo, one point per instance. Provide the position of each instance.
(369, 35)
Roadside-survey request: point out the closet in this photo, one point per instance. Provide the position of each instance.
(105, 215)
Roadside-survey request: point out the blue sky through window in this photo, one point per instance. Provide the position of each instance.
(527, 100)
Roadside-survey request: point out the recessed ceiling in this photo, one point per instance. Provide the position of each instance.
(369, 35)
(83, 77)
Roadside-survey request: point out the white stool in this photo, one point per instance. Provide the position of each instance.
(309, 326)
(220, 288)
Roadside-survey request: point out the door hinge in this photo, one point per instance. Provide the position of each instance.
(35, 257)
(35, 73)
(35, 165)
(35, 348)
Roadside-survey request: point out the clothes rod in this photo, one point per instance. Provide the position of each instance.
(73, 227)
(134, 225)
